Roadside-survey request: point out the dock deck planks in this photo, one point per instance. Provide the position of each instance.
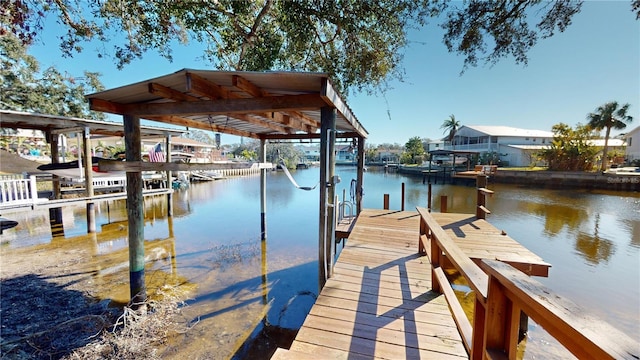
(480, 240)
(379, 302)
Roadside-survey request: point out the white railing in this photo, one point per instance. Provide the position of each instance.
(19, 191)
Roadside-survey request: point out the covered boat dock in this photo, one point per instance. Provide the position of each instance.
(269, 106)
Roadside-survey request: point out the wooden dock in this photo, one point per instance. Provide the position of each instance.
(379, 302)
(478, 239)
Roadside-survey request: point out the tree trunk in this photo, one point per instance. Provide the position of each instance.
(605, 150)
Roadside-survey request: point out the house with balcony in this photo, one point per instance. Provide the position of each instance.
(513, 146)
(197, 151)
(311, 153)
(632, 151)
(346, 154)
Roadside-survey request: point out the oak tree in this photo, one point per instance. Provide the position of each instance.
(24, 87)
(359, 43)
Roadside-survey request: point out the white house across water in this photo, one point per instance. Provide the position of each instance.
(514, 146)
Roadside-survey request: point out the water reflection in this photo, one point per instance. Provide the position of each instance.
(592, 247)
(243, 287)
(556, 217)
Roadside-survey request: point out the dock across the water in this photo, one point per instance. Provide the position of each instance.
(386, 300)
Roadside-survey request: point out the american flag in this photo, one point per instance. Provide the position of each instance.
(156, 154)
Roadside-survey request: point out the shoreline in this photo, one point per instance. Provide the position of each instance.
(551, 179)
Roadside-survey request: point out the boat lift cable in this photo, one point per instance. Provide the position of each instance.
(293, 181)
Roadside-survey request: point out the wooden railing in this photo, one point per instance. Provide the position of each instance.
(481, 185)
(503, 294)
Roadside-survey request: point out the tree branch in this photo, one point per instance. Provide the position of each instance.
(250, 37)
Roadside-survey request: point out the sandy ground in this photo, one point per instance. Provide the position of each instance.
(46, 306)
(45, 309)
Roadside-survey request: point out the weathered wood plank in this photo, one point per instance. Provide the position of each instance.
(458, 313)
(392, 336)
(435, 324)
(478, 239)
(583, 335)
(368, 347)
(477, 279)
(379, 303)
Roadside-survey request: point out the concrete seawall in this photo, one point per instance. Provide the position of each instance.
(556, 179)
(569, 179)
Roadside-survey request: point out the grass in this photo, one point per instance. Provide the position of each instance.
(524, 168)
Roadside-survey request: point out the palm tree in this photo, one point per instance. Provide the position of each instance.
(451, 125)
(609, 116)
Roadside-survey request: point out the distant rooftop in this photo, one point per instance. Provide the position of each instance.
(507, 131)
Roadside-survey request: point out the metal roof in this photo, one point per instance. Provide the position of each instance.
(63, 124)
(252, 104)
(504, 131)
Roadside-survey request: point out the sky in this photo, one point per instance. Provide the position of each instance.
(596, 60)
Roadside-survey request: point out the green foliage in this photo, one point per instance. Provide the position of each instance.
(199, 135)
(569, 149)
(413, 151)
(25, 88)
(503, 26)
(284, 153)
(249, 154)
(451, 126)
(371, 153)
(609, 116)
(359, 43)
(489, 158)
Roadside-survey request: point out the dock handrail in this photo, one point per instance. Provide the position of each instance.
(15, 191)
(502, 293)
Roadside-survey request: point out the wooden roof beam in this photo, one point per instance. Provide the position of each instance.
(181, 121)
(269, 125)
(204, 87)
(250, 88)
(289, 121)
(213, 107)
(169, 93)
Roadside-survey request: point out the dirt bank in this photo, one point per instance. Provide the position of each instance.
(46, 308)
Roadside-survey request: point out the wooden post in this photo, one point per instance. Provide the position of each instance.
(55, 221)
(436, 256)
(55, 159)
(443, 203)
(262, 156)
(327, 194)
(481, 182)
(174, 261)
(169, 175)
(88, 180)
(402, 198)
(429, 197)
(385, 202)
(360, 177)
(423, 231)
(330, 115)
(135, 212)
(479, 325)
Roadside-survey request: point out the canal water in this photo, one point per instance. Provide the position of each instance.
(240, 289)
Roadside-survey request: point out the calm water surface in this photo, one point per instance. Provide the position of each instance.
(592, 240)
